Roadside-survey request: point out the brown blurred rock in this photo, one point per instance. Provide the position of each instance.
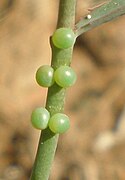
(94, 104)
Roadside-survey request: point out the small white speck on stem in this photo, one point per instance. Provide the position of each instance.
(88, 16)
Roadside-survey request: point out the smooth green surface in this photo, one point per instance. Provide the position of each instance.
(100, 15)
(45, 154)
(40, 118)
(66, 16)
(55, 98)
(63, 38)
(56, 95)
(59, 123)
(65, 76)
(44, 76)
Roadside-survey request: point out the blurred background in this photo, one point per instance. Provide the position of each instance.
(94, 147)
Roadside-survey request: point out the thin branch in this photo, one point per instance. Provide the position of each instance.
(66, 16)
(100, 15)
(55, 97)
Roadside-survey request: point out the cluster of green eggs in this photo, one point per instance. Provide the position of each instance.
(46, 76)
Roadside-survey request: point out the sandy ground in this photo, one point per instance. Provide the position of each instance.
(93, 148)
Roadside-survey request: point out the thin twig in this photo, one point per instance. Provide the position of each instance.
(100, 15)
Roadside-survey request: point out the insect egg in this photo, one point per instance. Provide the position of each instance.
(65, 76)
(44, 76)
(88, 16)
(59, 123)
(63, 38)
(40, 118)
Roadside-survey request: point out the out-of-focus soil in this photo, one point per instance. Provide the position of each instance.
(93, 148)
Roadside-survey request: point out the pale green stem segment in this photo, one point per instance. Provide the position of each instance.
(56, 95)
(55, 98)
(100, 15)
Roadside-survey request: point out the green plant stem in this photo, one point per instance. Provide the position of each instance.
(55, 98)
(100, 15)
